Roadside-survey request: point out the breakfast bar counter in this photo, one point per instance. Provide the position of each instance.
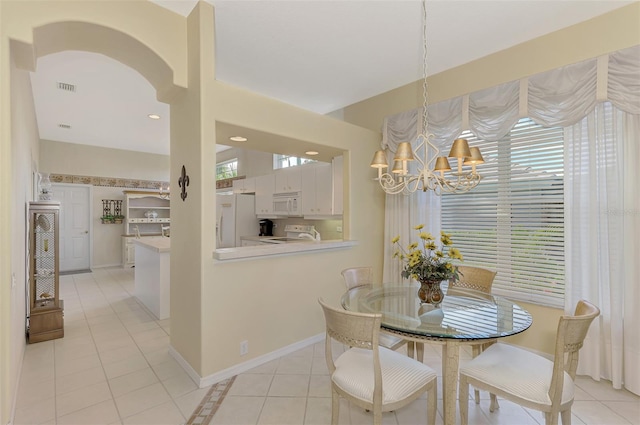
(152, 285)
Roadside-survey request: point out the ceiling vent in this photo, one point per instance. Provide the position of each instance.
(67, 87)
(65, 126)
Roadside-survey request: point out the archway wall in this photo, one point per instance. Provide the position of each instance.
(140, 34)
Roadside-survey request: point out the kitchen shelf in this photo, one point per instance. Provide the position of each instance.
(137, 203)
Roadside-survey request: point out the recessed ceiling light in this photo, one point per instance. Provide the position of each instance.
(238, 139)
(154, 116)
(311, 153)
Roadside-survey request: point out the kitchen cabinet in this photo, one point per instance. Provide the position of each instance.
(247, 185)
(288, 180)
(45, 308)
(264, 194)
(146, 213)
(317, 190)
(338, 186)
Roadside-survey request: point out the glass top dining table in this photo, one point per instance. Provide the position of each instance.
(465, 317)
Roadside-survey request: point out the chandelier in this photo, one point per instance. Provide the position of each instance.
(433, 171)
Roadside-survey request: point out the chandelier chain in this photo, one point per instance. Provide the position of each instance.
(425, 111)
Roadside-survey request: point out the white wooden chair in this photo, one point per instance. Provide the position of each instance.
(360, 276)
(475, 278)
(527, 378)
(370, 376)
(480, 280)
(357, 276)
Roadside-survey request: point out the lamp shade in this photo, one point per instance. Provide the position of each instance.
(404, 152)
(379, 160)
(397, 167)
(460, 149)
(442, 164)
(476, 157)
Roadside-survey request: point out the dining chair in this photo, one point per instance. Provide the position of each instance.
(368, 375)
(529, 379)
(360, 276)
(475, 278)
(480, 280)
(357, 276)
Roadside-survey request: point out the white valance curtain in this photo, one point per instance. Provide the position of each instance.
(598, 103)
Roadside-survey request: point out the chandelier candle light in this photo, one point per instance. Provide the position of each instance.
(429, 176)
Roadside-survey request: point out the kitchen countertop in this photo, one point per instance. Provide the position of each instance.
(155, 243)
(247, 252)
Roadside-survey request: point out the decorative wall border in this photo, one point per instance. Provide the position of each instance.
(127, 183)
(108, 181)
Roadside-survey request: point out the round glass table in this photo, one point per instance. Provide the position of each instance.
(465, 317)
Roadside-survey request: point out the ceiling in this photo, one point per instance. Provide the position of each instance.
(318, 55)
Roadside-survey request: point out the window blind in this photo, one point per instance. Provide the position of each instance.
(513, 222)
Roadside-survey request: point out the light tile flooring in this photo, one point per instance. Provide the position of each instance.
(112, 367)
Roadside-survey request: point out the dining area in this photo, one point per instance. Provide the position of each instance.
(464, 318)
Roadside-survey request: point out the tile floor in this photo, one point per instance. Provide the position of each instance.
(112, 367)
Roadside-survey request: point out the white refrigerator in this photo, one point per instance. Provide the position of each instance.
(235, 217)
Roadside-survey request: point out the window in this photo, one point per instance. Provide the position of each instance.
(285, 161)
(227, 169)
(513, 222)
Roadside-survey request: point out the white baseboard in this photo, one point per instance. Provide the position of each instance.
(242, 367)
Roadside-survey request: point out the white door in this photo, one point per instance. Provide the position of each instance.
(74, 226)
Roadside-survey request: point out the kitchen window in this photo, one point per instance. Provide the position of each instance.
(513, 222)
(286, 161)
(227, 169)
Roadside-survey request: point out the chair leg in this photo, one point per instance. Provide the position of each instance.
(551, 418)
(463, 400)
(335, 407)
(419, 351)
(377, 416)
(410, 346)
(432, 404)
(494, 403)
(565, 415)
(475, 351)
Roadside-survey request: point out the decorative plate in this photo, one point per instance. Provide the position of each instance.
(43, 222)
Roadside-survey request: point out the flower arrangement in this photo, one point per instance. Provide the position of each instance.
(427, 262)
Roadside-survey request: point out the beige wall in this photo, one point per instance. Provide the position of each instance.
(610, 32)
(24, 157)
(607, 33)
(84, 160)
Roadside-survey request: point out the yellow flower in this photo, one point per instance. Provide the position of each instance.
(419, 227)
(396, 254)
(396, 239)
(455, 254)
(438, 254)
(431, 245)
(413, 245)
(426, 236)
(445, 239)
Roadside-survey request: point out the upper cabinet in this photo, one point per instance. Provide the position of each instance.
(288, 180)
(247, 185)
(317, 190)
(264, 194)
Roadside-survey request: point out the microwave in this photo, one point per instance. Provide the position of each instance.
(287, 204)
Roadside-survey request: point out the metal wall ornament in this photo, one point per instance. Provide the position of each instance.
(183, 182)
(431, 168)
